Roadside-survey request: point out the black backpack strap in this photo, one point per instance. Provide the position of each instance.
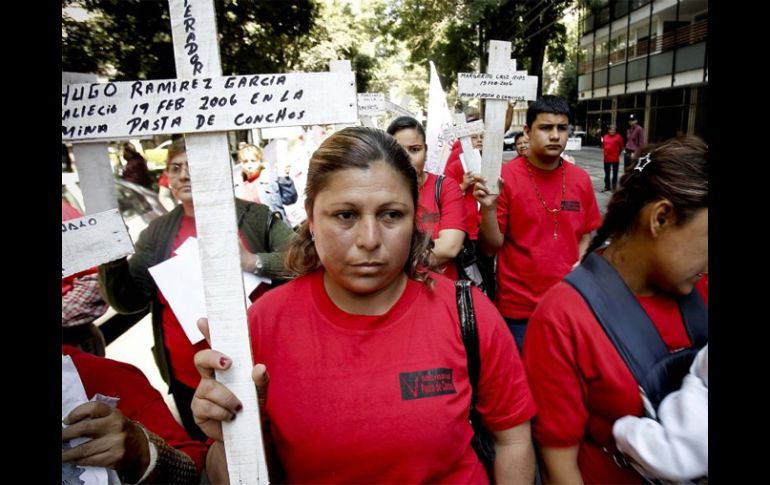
(482, 441)
(469, 332)
(437, 191)
(629, 327)
(696, 317)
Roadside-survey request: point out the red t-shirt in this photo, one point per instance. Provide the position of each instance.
(181, 352)
(580, 382)
(612, 146)
(454, 171)
(531, 260)
(356, 399)
(452, 215)
(139, 401)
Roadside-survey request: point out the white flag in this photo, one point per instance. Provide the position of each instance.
(439, 118)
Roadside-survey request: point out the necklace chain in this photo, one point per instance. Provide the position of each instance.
(554, 212)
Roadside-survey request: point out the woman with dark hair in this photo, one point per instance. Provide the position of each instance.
(368, 372)
(443, 218)
(129, 288)
(657, 228)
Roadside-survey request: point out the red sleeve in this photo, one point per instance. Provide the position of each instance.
(453, 215)
(139, 401)
(552, 369)
(504, 397)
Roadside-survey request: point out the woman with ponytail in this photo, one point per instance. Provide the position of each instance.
(654, 240)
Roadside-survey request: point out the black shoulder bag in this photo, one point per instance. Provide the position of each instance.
(482, 441)
(465, 261)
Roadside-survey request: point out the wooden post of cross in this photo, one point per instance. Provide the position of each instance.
(497, 86)
(463, 131)
(203, 104)
(341, 65)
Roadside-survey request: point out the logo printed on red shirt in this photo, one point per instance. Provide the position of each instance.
(570, 205)
(426, 383)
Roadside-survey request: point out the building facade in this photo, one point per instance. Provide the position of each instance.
(643, 57)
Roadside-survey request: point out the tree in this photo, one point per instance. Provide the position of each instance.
(454, 34)
(131, 39)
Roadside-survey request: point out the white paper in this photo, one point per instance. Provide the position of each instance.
(73, 395)
(180, 280)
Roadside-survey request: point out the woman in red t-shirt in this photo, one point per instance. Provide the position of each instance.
(368, 371)
(445, 224)
(657, 224)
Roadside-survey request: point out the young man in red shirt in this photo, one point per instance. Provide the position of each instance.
(540, 223)
(612, 144)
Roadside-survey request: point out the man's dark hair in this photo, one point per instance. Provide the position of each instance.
(548, 104)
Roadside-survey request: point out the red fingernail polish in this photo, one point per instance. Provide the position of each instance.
(239, 407)
(223, 361)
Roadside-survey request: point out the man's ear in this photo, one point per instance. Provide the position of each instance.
(661, 217)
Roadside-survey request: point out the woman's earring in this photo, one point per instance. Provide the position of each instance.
(312, 236)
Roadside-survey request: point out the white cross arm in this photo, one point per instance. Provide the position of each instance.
(511, 86)
(92, 240)
(140, 108)
(399, 110)
(463, 129)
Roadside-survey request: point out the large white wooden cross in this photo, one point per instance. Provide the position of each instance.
(497, 86)
(204, 104)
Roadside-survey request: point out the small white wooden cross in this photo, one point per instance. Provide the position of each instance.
(463, 131)
(400, 109)
(369, 106)
(497, 86)
(204, 104)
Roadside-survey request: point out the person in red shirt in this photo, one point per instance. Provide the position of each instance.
(521, 142)
(368, 371)
(540, 223)
(139, 437)
(129, 287)
(454, 170)
(447, 224)
(634, 142)
(612, 145)
(657, 224)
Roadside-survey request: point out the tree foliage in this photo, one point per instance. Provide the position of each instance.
(131, 39)
(454, 34)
